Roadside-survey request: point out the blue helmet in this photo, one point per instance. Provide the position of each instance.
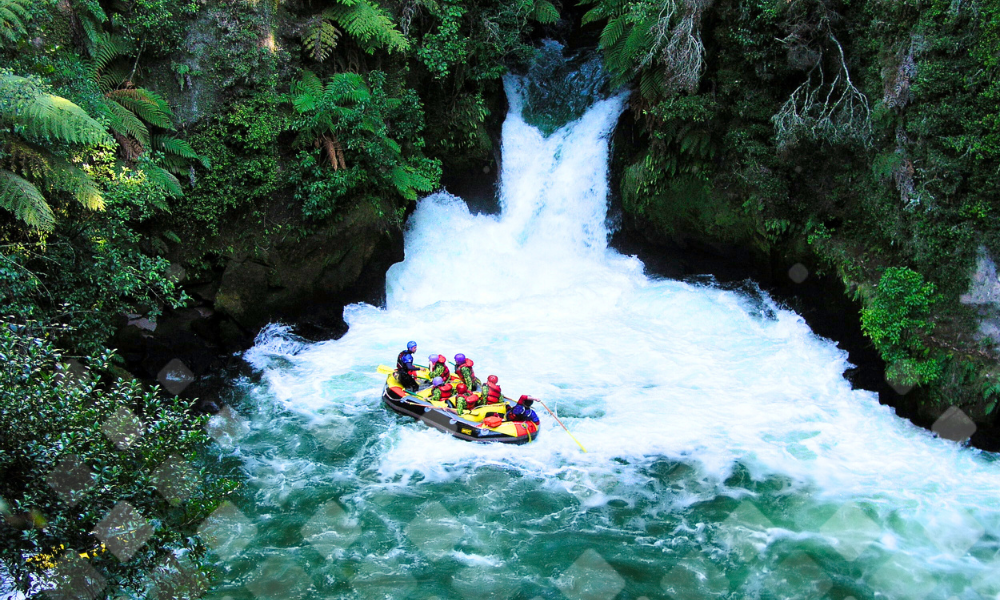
(459, 359)
(437, 381)
(411, 346)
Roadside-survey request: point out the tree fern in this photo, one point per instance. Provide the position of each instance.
(165, 180)
(320, 39)
(13, 18)
(20, 197)
(42, 115)
(145, 104)
(124, 121)
(178, 147)
(66, 177)
(369, 25)
(544, 12)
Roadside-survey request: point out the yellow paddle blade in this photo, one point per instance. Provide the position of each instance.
(385, 370)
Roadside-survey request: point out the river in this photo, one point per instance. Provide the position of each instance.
(727, 456)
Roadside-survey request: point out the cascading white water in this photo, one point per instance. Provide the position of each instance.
(747, 407)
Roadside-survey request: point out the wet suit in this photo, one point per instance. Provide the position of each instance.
(405, 371)
(520, 413)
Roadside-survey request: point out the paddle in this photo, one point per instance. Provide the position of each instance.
(385, 370)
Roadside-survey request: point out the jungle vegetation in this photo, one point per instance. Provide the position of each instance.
(861, 138)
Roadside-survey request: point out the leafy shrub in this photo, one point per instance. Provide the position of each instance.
(896, 317)
(60, 413)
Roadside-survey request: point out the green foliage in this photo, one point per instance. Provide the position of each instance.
(14, 16)
(39, 127)
(896, 316)
(88, 271)
(320, 39)
(158, 26)
(367, 23)
(242, 146)
(58, 413)
(350, 122)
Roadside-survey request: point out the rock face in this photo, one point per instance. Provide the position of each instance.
(305, 281)
(984, 294)
(313, 277)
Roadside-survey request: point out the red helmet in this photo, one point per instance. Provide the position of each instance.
(442, 359)
(492, 379)
(461, 388)
(526, 400)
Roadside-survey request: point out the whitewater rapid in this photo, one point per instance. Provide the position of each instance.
(641, 369)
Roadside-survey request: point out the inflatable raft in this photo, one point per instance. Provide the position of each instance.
(468, 426)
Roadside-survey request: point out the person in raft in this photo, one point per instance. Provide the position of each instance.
(405, 370)
(523, 411)
(491, 391)
(438, 366)
(464, 399)
(463, 368)
(442, 390)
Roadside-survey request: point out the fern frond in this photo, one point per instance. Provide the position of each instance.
(320, 39)
(347, 86)
(594, 15)
(408, 182)
(612, 32)
(107, 48)
(14, 16)
(146, 105)
(67, 177)
(652, 83)
(20, 197)
(48, 116)
(639, 40)
(125, 122)
(307, 92)
(545, 12)
(165, 180)
(178, 147)
(369, 25)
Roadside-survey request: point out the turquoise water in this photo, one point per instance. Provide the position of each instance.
(727, 456)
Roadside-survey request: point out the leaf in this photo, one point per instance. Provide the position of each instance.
(612, 32)
(45, 115)
(20, 197)
(545, 12)
(320, 39)
(13, 17)
(369, 25)
(164, 179)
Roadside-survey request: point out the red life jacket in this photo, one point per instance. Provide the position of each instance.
(446, 375)
(471, 400)
(467, 363)
(493, 394)
(446, 390)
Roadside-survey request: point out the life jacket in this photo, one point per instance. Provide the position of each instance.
(403, 365)
(467, 363)
(493, 394)
(445, 374)
(446, 390)
(471, 400)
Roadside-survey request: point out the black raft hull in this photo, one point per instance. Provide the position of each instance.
(449, 422)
